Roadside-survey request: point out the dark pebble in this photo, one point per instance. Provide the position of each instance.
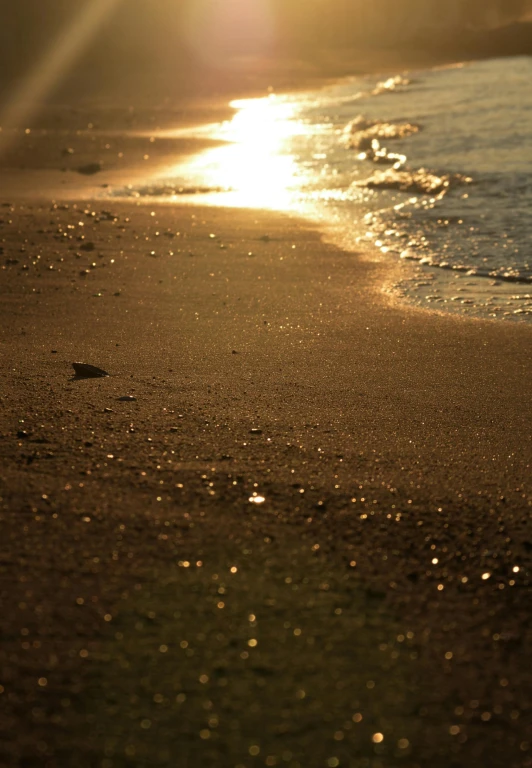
(90, 169)
(88, 371)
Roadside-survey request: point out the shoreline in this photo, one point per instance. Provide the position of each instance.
(146, 153)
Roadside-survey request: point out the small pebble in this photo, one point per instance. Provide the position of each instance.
(89, 169)
(88, 371)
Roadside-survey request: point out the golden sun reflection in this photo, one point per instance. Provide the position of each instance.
(254, 166)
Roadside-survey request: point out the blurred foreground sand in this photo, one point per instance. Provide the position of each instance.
(154, 610)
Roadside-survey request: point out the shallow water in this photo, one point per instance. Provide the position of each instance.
(433, 168)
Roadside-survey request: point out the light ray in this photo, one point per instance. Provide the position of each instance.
(63, 52)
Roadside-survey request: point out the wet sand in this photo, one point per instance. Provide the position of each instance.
(305, 541)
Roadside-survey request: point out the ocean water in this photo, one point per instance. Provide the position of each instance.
(432, 168)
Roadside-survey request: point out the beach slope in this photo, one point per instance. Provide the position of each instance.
(291, 526)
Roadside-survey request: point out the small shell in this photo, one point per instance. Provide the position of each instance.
(88, 371)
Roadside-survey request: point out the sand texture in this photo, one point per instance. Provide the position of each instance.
(373, 610)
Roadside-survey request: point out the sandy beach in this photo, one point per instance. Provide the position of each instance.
(304, 540)
(291, 527)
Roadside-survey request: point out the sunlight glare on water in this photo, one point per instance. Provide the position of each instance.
(434, 173)
(254, 164)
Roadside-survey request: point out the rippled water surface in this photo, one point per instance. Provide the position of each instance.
(433, 168)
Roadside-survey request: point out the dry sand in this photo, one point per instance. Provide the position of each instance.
(152, 613)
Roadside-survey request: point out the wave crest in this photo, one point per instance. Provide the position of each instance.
(361, 132)
(421, 181)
